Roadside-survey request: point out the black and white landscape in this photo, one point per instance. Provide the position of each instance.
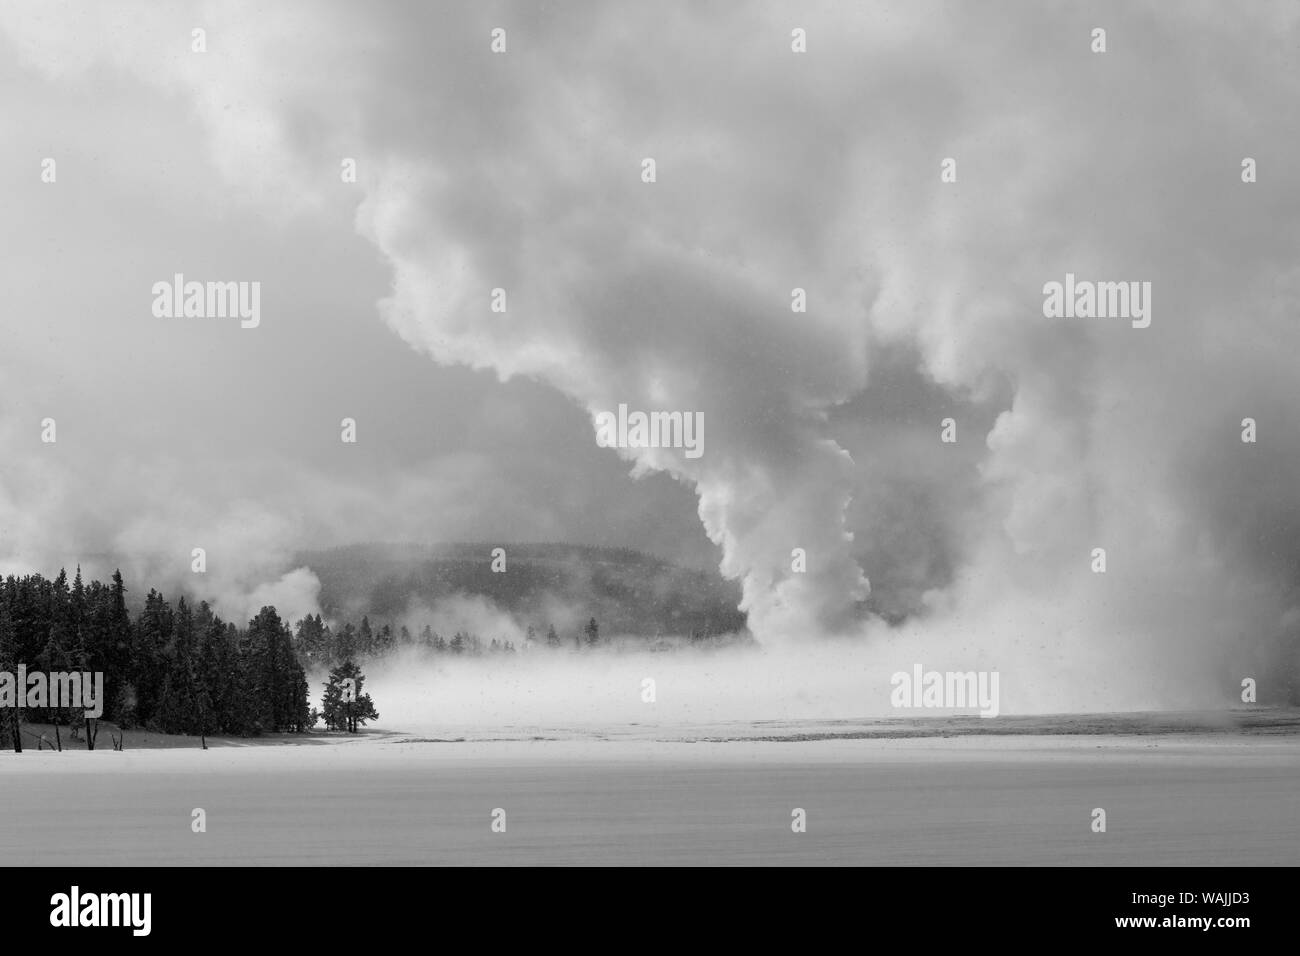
(650, 433)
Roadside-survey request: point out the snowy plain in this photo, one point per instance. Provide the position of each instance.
(720, 794)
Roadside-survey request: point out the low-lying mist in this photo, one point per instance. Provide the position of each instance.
(630, 680)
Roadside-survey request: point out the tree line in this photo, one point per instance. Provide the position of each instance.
(181, 669)
(175, 669)
(320, 645)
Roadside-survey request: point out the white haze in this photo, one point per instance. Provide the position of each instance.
(832, 679)
(548, 690)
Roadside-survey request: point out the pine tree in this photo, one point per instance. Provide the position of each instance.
(309, 640)
(345, 647)
(178, 705)
(345, 706)
(11, 718)
(116, 651)
(260, 664)
(79, 624)
(208, 683)
(231, 696)
(152, 634)
(383, 641)
(57, 653)
(305, 714)
(275, 676)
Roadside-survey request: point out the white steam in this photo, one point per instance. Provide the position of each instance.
(821, 171)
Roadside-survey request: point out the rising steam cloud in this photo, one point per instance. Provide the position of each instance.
(821, 171)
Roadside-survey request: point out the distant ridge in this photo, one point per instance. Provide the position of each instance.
(627, 591)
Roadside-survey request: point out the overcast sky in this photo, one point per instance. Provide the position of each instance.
(774, 170)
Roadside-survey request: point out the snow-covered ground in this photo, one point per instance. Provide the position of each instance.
(646, 796)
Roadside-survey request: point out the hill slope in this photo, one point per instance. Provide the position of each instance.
(626, 591)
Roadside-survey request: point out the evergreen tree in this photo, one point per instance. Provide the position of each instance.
(11, 718)
(346, 646)
(209, 683)
(384, 641)
(152, 635)
(57, 653)
(309, 640)
(117, 651)
(345, 706)
(182, 671)
(178, 704)
(274, 675)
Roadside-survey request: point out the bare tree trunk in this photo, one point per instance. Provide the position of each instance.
(18, 731)
(90, 737)
(58, 737)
